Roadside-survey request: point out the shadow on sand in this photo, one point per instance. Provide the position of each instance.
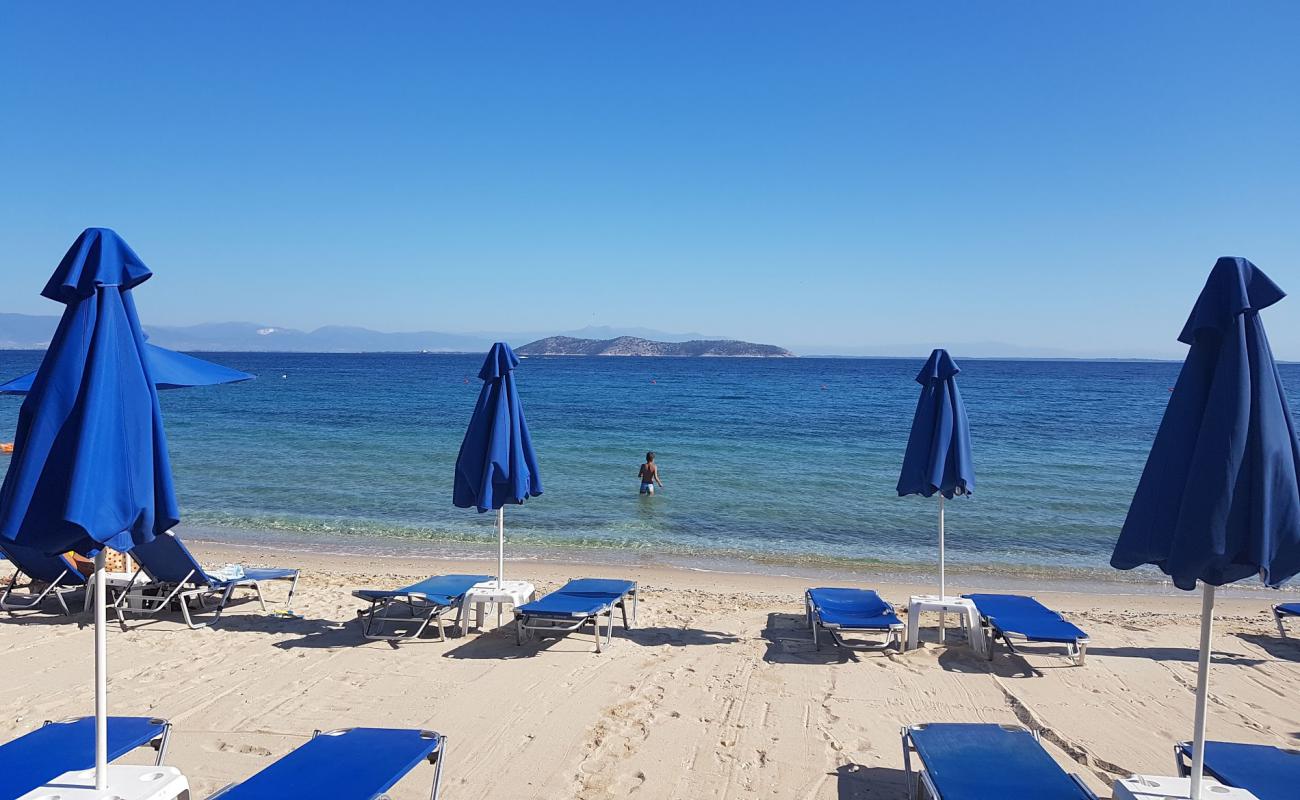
(500, 643)
(1277, 647)
(789, 641)
(1188, 654)
(870, 783)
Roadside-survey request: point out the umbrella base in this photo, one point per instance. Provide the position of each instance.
(1154, 787)
(124, 783)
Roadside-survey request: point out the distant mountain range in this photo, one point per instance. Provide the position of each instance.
(636, 346)
(28, 332)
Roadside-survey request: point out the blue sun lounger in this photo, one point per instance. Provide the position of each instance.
(576, 604)
(1004, 616)
(840, 611)
(1283, 610)
(1269, 773)
(58, 575)
(432, 597)
(175, 575)
(960, 761)
(349, 764)
(34, 759)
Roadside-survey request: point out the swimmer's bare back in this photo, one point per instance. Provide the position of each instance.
(650, 473)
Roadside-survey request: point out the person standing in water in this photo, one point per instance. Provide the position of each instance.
(649, 475)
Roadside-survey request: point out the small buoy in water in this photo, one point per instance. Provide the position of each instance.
(652, 380)
(823, 387)
(6, 447)
(284, 376)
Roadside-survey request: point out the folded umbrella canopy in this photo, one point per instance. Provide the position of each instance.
(496, 464)
(938, 458)
(90, 466)
(169, 370)
(1219, 498)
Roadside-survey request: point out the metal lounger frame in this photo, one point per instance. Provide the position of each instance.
(1076, 651)
(922, 775)
(373, 622)
(526, 625)
(152, 604)
(10, 603)
(894, 633)
(1278, 616)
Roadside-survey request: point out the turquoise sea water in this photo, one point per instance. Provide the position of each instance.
(780, 461)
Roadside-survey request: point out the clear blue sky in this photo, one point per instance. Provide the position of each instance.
(1057, 175)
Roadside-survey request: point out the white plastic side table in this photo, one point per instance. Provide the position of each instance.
(124, 783)
(1153, 787)
(931, 602)
(513, 593)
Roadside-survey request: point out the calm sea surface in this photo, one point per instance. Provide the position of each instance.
(781, 461)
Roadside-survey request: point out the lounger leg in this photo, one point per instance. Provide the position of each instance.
(519, 631)
(437, 766)
(257, 587)
(907, 769)
(63, 604)
(816, 644)
(1281, 627)
(162, 745)
(622, 604)
(635, 594)
(1080, 653)
(442, 633)
(293, 587)
(225, 598)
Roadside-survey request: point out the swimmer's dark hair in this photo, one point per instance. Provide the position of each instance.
(650, 456)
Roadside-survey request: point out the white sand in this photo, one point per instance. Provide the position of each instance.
(717, 694)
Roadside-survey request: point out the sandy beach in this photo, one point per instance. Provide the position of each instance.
(718, 693)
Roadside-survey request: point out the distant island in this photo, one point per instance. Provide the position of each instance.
(634, 346)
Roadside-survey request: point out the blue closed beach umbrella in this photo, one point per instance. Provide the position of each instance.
(1219, 498)
(90, 466)
(938, 458)
(496, 464)
(167, 368)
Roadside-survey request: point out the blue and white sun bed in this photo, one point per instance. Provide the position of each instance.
(431, 598)
(576, 604)
(1269, 773)
(175, 575)
(36, 758)
(349, 764)
(961, 761)
(842, 611)
(1004, 616)
(1282, 611)
(58, 575)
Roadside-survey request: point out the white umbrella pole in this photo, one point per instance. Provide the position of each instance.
(101, 677)
(943, 590)
(501, 545)
(501, 557)
(1202, 689)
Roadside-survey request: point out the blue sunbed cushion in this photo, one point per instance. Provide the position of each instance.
(1269, 773)
(1014, 613)
(580, 598)
(353, 764)
(443, 590)
(852, 609)
(1287, 609)
(36, 758)
(990, 762)
(35, 564)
